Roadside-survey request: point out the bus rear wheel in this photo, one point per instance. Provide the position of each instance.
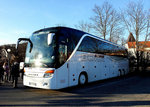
(82, 79)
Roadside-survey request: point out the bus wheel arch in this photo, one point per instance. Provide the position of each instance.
(83, 78)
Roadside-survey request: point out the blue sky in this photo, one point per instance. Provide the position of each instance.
(20, 18)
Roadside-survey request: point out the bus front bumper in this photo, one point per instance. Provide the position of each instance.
(44, 83)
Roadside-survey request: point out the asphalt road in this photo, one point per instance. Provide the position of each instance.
(125, 91)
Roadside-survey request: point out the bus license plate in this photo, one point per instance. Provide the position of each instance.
(31, 83)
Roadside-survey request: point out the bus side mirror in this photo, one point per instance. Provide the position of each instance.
(25, 39)
(50, 38)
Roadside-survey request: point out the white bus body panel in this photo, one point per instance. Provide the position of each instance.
(97, 67)
(34, 78)
(62, 77)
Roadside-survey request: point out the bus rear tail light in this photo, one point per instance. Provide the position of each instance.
(49, 74)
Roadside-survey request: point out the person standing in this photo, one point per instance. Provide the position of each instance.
(1, 72)
(22, 73)
(6, 71)
(15, 74)
(10, 74)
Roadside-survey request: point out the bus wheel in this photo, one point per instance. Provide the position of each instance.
(82, 79)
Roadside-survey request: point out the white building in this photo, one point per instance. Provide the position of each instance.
(144, 46)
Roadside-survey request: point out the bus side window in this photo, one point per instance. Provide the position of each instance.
(88, 45)
(62, 50)
(62, 53)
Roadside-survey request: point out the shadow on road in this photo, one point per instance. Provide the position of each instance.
(125, 91)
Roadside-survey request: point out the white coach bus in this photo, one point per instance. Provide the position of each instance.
(61, 57)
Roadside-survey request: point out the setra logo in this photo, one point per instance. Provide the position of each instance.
(33, 75)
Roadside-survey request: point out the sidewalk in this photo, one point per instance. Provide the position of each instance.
(9, 84)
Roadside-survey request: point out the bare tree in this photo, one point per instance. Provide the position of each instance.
(122, 41)
(107, 22)
(147, 36)
(102, 19)
(137, 20)
(115, 27)
(84, 26)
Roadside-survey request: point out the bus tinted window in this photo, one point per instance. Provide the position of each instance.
(93, 45)
(88, 45)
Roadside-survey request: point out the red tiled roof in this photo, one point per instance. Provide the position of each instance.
(144, 44)
(131, 44)
(131, 38)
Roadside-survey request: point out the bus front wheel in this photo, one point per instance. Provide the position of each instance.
(82, 79)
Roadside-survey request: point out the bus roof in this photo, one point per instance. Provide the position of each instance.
(59, 28)
(81, 33)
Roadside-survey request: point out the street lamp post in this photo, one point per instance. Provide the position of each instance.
(8, 51)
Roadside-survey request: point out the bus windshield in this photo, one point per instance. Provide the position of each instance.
(42, 54)
(51, 47)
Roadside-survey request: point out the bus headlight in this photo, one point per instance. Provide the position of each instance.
(49, 74)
